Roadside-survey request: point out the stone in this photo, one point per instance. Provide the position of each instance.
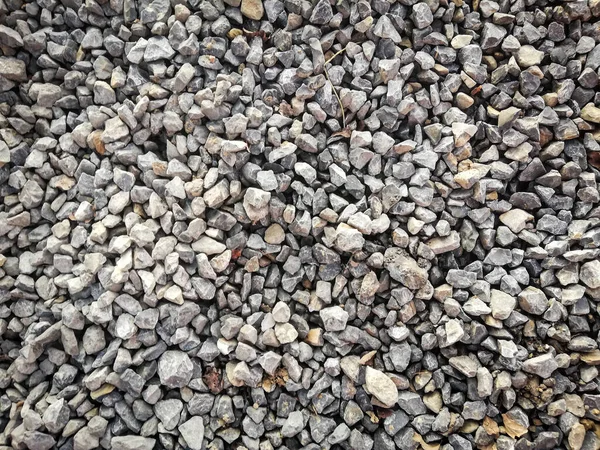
(463, 132)
(533, 300)
(411, 403)
(293, 425)
(404, 269)
(132, 443)
(253, 9)
(501, 304)
(192, 432)
(589, 274)
(516, 219)
(175, 369)
(543, 365)
(349, 239)
(528, 56)
(380, 386)
(421, 15)
(590, 113)
(465, 365)
(56, 416)
(334, 318)
(255, 203)
(321, 13)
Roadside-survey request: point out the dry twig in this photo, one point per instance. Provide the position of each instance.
(333, 87)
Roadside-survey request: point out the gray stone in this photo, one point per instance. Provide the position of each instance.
(175, 369)
(543, 365)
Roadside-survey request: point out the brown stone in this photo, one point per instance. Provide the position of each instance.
(253, 9)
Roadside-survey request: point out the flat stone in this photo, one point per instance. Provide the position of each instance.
(543, 365)
(465, 365)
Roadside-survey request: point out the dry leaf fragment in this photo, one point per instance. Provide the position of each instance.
(367, 357)
(491, 427)
(594, 159)
(488, 447)
(98, 144)
(513, 428)
(345, 132)
(424, 445)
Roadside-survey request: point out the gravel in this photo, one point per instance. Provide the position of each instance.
(299, 224)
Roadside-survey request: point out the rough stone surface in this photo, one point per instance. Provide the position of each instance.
(299, 224)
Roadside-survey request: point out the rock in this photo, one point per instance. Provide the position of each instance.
(411, 403)
(421, 15)
(590, 113)
(253, 9)
(349, 239)
(589, 274)
(192, 432)
(404, 269)
(533, 301)
(380, 386)
(175, 369)
(501, 304)
(334, 318)
(56, 416)
(528, 56)
(321, 13)
(465, 365)
(10, 37)
(132, 443)
(12, 69)
(543, 365)
(286, 333)
(462, 133)
(516, 219)
(255, 203)
(169, 412)
(293, 425)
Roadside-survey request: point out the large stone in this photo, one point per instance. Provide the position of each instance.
(543, 365)
(465, 365)
(463, 132)
(56, 416)
(502, 304)
(590, 113)
(533, 300)
(293, 425)
(528, 56)
(175, 369)
(349, 239)
(380, 386)
(253, 9)
(256, 203)
(516, 219)
(13, 69)
(132, 443)
(404, 269)
(334, 318)
(589, 274)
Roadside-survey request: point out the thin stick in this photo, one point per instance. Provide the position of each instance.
(333, 87)
(334, 55)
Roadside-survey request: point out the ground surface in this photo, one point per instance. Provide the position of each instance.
(299, 225)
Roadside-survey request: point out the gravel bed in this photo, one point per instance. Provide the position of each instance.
(299, 224)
